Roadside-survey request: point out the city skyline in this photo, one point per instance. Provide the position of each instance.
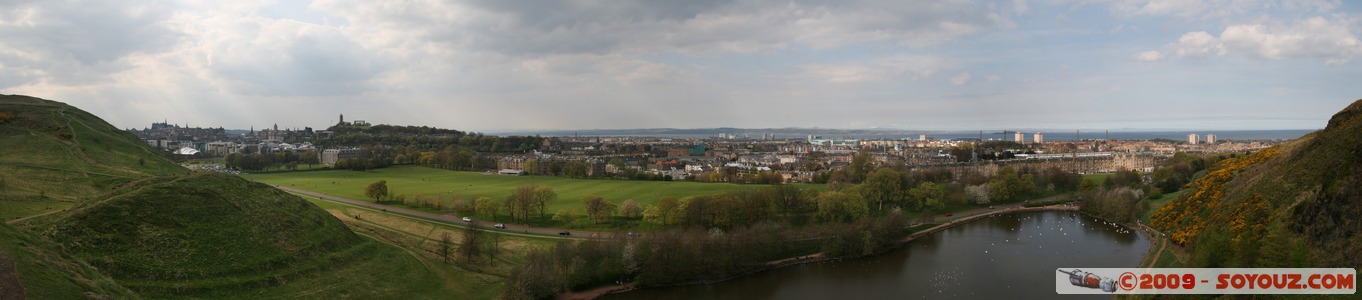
(502, 67)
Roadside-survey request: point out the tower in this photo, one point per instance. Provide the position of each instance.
(1040, 138)
(342, 118)
(1192, 139)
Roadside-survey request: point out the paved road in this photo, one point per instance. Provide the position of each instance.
(450, 219)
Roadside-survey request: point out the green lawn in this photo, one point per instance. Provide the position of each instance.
(1154, 205)
(411, 180)
(1099, 179)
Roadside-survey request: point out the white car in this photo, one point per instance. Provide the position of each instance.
(499, 225)
(466, 219)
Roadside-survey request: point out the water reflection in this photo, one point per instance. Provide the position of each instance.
(1009, 256)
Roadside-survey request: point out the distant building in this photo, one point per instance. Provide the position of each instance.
(1040, 138)
(1210, 138)
(1192, 139)
(922, 138)
(331, 156)
(1019, 137)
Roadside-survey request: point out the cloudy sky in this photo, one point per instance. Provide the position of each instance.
(526, 65)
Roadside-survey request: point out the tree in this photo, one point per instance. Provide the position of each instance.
(927, 196)
(310, 157)
(522, 201)
(979, 194)
(594, 205)
(471, 244)
(662, 212)
(446, 246)
(377, 190)
(1009, 185)
(531, 167)
(880, 186)
(790, 199)
(841, 206)
(631, 209)
(488, 207)
(860, 166)
(541, 197)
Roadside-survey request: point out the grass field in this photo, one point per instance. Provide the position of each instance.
(411, 180)
(483, 280)
(1156, 204)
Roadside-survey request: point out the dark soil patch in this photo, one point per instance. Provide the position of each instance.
(10, 287)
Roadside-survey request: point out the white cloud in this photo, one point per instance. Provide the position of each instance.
(994, 78)
(961, 79)
(1197, 45)
(1329, 40)
(1149, 56)
(1214, 9)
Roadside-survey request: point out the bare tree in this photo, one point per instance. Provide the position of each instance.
(471, 244)
(446, 246)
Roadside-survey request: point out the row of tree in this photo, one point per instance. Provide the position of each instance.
(263, 161)
(680, 256)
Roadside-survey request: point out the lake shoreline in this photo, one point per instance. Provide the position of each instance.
(601, 291)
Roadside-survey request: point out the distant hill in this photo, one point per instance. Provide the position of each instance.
(1295, 205)
(53, 151)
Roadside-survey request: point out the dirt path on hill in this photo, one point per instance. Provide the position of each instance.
(1155, 260)
(10, 287)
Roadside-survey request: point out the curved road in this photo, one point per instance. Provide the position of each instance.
(452, 220)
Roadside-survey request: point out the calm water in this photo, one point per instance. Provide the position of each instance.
(1011, 256)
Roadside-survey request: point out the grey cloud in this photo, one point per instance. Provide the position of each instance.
(62, 38)
(599, 27)
(308, 67)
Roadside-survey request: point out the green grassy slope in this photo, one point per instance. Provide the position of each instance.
(55, 155)
(411, 180)
(47, 273)
(121, 220)
(217, 235)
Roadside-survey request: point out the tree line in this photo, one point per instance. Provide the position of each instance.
(263, 161)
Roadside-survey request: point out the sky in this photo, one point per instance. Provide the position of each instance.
(494, 66)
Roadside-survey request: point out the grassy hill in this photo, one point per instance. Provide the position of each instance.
(217, 235)
(90, 210)
(44, 272)
(56, 155)
(1294, 205)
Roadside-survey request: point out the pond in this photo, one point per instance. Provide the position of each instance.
(1005, 256)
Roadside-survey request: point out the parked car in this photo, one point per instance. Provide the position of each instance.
(564, 232)
(990, 207)
(467, 219)
(949, 214)
(499, 225)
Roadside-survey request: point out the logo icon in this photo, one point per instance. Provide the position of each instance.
(1090, 280)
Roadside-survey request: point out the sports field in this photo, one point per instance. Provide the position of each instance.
(411, 180)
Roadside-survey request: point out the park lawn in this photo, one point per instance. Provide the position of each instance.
(412, 180)
(1099, 179)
